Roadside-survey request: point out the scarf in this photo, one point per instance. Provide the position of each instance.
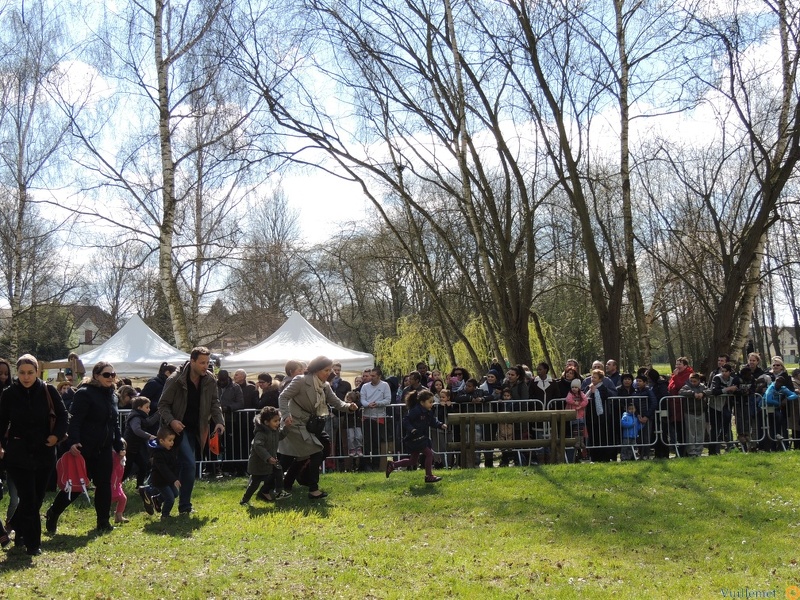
(320, 407)
(598, 403)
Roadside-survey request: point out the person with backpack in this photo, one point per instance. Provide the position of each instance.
(94, 434)
(35, 417)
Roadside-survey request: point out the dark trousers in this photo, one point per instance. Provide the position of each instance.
(296, 470)
(137, 462)
(270, 481)
(31, 486)
(305, 472)
(412, 460)
(716, 419)
(374, 434)
(98, 467)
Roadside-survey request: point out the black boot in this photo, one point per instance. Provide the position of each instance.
(51, 521)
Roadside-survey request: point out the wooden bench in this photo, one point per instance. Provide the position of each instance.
(558, 441)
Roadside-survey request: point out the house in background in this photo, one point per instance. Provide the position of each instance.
(91, 327)
(787, 341)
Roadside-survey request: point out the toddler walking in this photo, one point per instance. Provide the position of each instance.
(263, 464)
(416, 428)
(117, 493)
(165, 468)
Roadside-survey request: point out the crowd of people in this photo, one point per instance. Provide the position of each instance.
(311, 418)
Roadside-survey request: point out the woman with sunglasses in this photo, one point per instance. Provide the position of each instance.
(94, 433)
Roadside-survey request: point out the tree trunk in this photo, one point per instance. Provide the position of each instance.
(634, 290)
(165, 239)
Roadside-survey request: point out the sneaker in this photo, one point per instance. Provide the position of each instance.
(118, 518)
(389, 468)
(283, 494)
(352, 452)
(432, 478)
(156, 503)
(359, 451)
(147, 501)
(186, 512)
(244, 503)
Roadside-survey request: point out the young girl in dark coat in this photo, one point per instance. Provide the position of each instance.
(416, 427)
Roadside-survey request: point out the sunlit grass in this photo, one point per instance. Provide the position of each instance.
(678, 528)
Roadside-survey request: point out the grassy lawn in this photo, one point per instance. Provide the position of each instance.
(652, 529)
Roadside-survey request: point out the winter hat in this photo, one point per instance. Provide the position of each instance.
(496, 373)
(28, 359)
(576, 383)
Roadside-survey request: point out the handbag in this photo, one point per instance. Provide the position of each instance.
(52, 414)
(315, 424)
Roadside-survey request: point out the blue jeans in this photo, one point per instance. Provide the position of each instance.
(187, 468)
(168, 494)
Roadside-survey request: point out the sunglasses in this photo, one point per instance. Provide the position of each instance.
(109, 374)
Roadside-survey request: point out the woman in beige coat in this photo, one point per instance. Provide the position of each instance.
(306, 395)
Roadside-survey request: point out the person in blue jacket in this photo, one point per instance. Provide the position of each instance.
(776, 399)
(631, 426)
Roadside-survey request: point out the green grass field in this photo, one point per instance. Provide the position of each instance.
(704, 528)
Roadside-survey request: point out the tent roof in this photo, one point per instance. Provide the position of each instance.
(135, 351)
(296, 339)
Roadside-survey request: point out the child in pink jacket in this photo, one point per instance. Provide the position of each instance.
(578, 401)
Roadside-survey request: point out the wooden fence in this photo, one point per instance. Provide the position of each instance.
(557, 442)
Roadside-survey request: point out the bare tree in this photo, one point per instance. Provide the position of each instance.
(176, 182)
(434, 116)
(31, 145)
(266, 282)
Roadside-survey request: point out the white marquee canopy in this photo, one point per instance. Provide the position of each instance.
(296, 339)
(135, 351)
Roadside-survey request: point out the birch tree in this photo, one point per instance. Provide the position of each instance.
(179, 174)
(32, 146)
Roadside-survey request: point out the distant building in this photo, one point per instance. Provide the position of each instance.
(92, 326)
(787, 341)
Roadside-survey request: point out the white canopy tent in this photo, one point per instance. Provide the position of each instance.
(135, 351)
(296, 339)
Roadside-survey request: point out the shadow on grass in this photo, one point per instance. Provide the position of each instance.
(709, 490)
(181, 526)
(62, 542)
(15, 559)
(426, 489)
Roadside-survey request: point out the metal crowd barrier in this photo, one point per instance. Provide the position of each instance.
(676, 424)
